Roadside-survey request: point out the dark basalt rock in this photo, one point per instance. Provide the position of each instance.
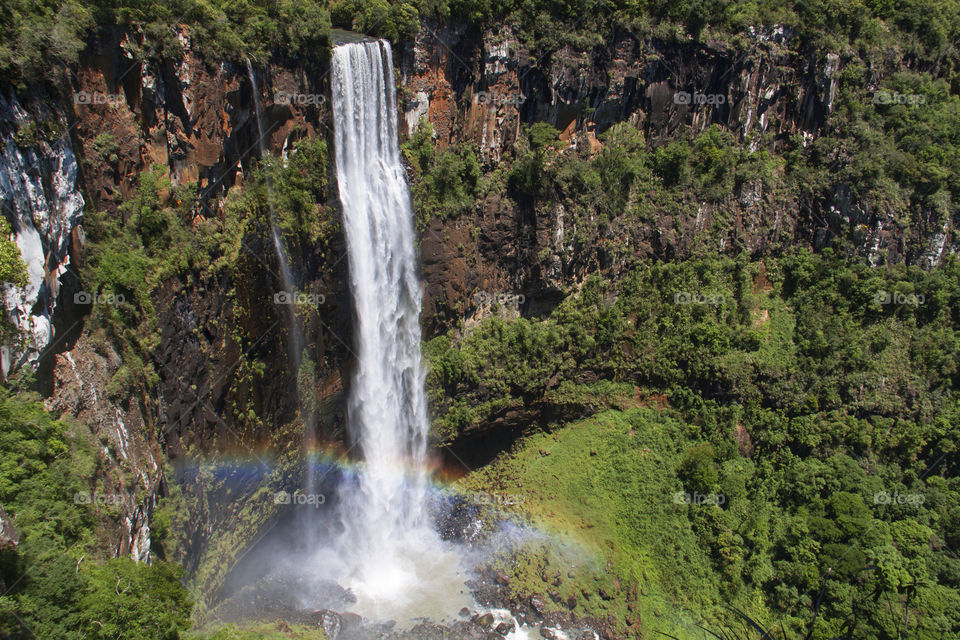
(485, 620)
(505, 628)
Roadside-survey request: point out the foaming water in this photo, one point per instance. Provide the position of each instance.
(395, 561)
(292, 571)
(423, 582)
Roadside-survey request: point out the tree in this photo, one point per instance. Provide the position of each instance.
(135, 602)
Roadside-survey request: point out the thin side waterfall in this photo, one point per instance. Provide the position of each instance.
(388, 539)
(285, 274)
(256, 103)
(288, 296)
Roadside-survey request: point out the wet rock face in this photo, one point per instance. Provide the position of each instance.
(480, 87)
(41, 200)
(331, 623)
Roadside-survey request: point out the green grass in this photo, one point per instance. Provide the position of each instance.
(604, 492)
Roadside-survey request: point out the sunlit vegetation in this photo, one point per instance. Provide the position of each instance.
(817, 396)
(824, 412)
(60, 581)
(447, 181)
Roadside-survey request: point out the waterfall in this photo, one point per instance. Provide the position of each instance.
(256, 105)
(386, 529)
(286, 275)
(288, 297)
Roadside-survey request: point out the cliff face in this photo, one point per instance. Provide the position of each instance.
(225, 379)
(41, 200)
(132, 462)
(123, 115)
(480, 88)
(197, 121)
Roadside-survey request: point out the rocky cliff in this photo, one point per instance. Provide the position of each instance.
(42, 202)
(124, 114)
(773, 92)
(225, 377)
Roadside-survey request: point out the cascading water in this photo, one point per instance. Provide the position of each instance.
(294, 330)
(382, 558)
(393, 555)
(285, 274)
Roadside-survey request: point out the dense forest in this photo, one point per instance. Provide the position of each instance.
(764, 440)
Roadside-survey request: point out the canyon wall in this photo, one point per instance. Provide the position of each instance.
(224, 377)
(481, 88)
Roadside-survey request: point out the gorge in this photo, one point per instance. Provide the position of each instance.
(420, 320)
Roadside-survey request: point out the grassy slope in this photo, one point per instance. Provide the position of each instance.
(606, 488)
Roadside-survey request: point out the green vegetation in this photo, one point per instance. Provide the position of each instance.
(803, 389)
(394, 19)
(928, 26)
(13, 271)
(630, 181)
(448, 180)
(59, 582)
(37, 33)
(632, 541)
(900, 158)
(107, 147)
(813, 336)
(39, 38)
(295, 191)
(799, 388)
(276, 631)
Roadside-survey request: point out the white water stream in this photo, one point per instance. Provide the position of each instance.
(397, 565)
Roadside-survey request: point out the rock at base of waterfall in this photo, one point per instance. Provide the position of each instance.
(330, 622)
